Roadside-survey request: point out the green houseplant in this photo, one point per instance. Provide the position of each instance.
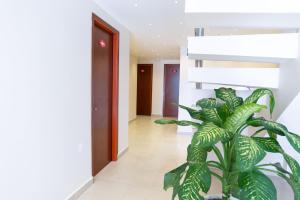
(221, 121)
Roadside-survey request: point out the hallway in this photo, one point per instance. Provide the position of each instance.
(138, 175)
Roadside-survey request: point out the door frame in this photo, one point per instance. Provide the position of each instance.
(99, 23)
(164, 94)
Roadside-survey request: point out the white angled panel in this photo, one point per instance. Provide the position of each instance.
(262, 47)
(238, 6)
(244, 77)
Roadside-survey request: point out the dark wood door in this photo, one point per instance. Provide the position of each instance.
(144, 89)
(171, 90)
(102, 99)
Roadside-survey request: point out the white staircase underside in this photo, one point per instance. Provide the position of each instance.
(260, 48)
(238, 6)
(242, 77)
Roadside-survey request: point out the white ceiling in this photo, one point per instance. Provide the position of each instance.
(160, 27)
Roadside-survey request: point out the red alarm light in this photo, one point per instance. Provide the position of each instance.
(102, 43)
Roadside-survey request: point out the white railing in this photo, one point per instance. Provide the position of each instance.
(243, 77)
(272, 48)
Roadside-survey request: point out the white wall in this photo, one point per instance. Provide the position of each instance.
(132, 87)
(288, 84)
(45, 103)
(158, 83)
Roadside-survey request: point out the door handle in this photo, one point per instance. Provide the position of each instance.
(96, 109)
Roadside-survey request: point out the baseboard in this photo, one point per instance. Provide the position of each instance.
(123, 152)
(184, 133)
(157, 115)
(132, 120)
(77, 193)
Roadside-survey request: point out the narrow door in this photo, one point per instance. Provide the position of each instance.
(102, 98)
(171, 90)
(144, 89)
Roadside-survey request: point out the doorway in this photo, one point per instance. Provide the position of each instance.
(171, 90)
(144, 89)
(105, 57)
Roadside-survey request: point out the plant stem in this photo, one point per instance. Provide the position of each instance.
(228, 152)
(217, 166)
(226, 184)
(257, 132)
(219, 155)
(217, 176)
(225, 149)
(231, 173)
(226, 190)
(264, 165)
(225, 196)
(273, 171)
(214, 162)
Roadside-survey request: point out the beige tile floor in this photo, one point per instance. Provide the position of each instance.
(138, 174)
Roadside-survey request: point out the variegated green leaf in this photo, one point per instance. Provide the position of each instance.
(179, 123)
(228, 95)
(211, 115)
(292, 180)
(293, 164)
(257, 94)
(268, 144)
(208, 103)
(196, 155)
(256, 186)
(224, 111)
(294, 140)
(198, 178)
(208, 135)
(268, 125)
(241, 115)
(172, 179)
(248, 153)
(195, 114)
(280, 168)
(272, 134)
(277, 128)
(296, 188)
(295, 185)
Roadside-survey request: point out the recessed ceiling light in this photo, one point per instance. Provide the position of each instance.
(150, 24)
(176, 2)
(135, 4)
(180, 23)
